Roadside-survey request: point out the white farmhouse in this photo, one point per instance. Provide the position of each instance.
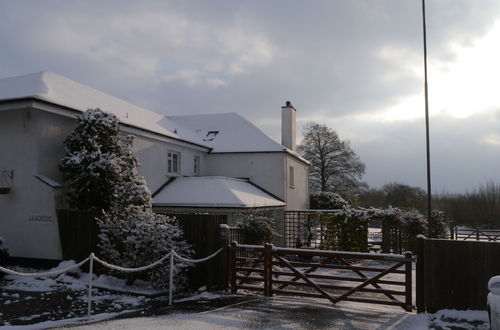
(219, 163)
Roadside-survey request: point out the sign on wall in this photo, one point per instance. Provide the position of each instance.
(40, 218)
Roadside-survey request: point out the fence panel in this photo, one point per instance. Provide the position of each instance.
(202, 231)
(454, 274)
(78, 232)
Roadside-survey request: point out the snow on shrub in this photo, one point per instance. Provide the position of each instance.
(91, 167)
(438, 224)
(257, 227)
(326, 200)
(347, 229)
(100, 172)
(140, 238)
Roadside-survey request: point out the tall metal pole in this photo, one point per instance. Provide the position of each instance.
(429, 194)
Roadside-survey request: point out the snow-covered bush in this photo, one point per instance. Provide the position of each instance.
(326, 200)
(413, 223)
(438, 224)
(100, 172)
(346, 230)
(140, 238)
(91, 168)
(257, 228)
(400, 229)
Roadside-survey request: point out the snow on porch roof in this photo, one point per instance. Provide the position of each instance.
(214, 191)
(54, 88)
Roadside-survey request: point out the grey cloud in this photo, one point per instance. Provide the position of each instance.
(460, 157)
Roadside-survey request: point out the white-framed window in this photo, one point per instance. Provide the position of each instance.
(173, 162)
(291, 177)
(196, 165)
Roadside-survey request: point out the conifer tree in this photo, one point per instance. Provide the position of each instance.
(91, 168)
(100, 172)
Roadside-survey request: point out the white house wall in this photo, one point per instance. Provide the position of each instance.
(297, 197)
(28, 221)
(152, 155)
(263, 169)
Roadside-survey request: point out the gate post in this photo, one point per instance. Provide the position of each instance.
(420, 275)
(232, 266)
(268, 269)
(408, 288)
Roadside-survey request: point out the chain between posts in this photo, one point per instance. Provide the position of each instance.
(172, 254)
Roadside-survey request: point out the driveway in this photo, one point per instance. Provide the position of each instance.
(276, 313)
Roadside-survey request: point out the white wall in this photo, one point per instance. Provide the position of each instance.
(297, 197)
(263, 169)
(27, 219)
(152, 155)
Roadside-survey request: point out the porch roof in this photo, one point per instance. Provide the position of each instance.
(214, 192)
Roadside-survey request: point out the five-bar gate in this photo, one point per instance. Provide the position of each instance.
(333, 275)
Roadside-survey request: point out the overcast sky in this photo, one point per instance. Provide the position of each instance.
(354, 65)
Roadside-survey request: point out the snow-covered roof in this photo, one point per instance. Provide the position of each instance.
(48, 181)
(214, 191)
(224, 132)
(229, 132)
(54, 88)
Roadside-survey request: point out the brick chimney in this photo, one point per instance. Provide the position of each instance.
(288, 126)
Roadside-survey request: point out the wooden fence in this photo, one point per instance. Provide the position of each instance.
(477, 234)
(203, 232)
(454, 274)
(333, 275)
(78, 233)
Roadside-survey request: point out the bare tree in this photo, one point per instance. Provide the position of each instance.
(334, 165)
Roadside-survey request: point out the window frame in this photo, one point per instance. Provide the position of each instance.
(196, 165)
(291, 176)
(173, 161)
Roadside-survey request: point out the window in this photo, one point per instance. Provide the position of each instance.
(291, 180)
(196, 169)
(211, 135)
(173, 162)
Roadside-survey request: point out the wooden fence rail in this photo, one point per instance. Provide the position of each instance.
(477, 234)
(333, 275)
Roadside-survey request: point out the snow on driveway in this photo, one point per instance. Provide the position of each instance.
(276, 313)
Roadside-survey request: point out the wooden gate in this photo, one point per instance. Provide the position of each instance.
(333, 275)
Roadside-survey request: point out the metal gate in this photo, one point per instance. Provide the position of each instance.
(333, 275)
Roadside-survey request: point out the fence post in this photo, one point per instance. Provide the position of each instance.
(224, 237)
(420, 292)
(91, 273)
(232, 266)
(408, 288)
(171, 278)
(477, 234)
(268, 265)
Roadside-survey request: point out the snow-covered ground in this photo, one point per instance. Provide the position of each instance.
(293, 313)
(36, 303)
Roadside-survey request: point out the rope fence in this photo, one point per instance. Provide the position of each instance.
(92, 257)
